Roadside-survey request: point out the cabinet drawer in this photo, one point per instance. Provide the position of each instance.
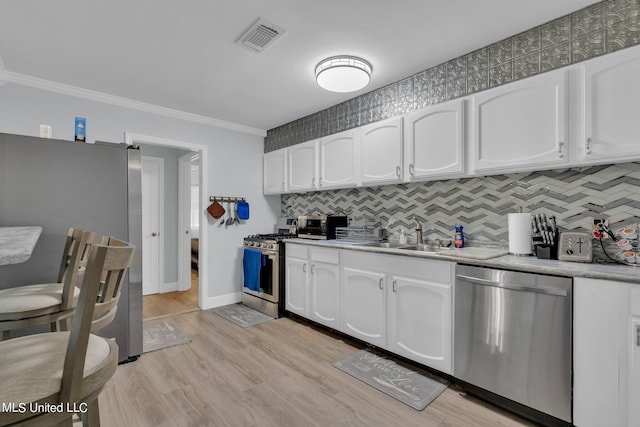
(330, 256)
(296, 251)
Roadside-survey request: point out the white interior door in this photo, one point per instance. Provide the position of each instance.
(188, 197)
(152, 209)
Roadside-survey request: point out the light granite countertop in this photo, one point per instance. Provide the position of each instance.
(17, 243)
(531, 264)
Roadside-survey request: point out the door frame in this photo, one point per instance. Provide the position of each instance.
(203, 270)
(161, 207)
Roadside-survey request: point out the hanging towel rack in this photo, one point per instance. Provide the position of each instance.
(227, 199)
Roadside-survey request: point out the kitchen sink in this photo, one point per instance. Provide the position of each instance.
(426, 248)
(386, 245)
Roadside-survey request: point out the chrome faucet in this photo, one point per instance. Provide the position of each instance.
(419, 239)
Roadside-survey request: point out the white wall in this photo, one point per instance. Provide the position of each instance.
(234, 165)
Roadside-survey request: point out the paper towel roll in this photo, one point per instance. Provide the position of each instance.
(519, 233)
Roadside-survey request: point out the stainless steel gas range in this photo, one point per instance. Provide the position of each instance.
(263, 273)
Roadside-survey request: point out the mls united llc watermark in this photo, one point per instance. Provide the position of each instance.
(34, 407)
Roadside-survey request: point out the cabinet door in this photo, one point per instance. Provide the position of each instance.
(634, 371)
(323, 293)
(274, 172)
(600, 352)
(420, 321)
(296, 279)
(302, 168)
(380, 152)
(434, 142)
(363, 305)
(521, 125)
(612, 108)
(338, 160)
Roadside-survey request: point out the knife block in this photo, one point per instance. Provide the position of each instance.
(546, 251)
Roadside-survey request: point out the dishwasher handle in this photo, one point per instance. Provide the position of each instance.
(511, 286)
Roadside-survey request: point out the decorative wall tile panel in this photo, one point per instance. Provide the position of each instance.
(478, 81)
(587, 46)
(405, 87)
(526, 43)
(558, 31)
(501, 52)
(574, 196)
(555, 56)
(526, 66)
(501, 74)
(588, 20)
(623, 34)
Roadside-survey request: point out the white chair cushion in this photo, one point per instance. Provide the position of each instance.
(31, 366)
(32, 297)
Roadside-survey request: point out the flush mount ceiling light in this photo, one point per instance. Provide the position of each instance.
(343, 73)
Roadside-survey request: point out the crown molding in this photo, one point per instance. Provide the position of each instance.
(64, 89)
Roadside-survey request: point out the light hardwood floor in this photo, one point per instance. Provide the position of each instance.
(278, 373)
(171, 303)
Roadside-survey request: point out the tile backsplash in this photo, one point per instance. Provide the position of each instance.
(575, 196)
(601, 28)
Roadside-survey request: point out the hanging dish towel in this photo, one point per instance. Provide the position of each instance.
(243, 209)
(216, 210)
(251, 266)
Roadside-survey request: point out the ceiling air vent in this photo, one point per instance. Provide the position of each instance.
(260, 35)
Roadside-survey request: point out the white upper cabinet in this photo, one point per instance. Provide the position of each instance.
(274, 172)
(520, 126)
(434, 142)
(380, 152)
(611, 108)
(338, 160)
(302, 160)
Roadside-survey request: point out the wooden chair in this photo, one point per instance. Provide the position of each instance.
(108, 298)
(66, 369)
(48, 303)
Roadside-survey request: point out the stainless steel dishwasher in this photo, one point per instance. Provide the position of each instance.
(513, 338)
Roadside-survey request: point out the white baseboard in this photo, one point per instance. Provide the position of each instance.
(168, 287)
(221, 300)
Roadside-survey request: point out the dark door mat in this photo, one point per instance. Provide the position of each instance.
(241, 315)
(162, 333)
(414, 387)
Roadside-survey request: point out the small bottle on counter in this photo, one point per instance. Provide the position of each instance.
(403, 237)
(458, 238)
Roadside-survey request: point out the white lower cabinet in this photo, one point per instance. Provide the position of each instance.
(296, 279)
(606, 353)
(402, 304)
(311, 283)
(419, 319)
(363, 304)
(324, 282)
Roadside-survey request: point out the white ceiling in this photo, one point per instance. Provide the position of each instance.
(181, 54)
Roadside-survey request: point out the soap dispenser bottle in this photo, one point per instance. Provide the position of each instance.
(458, 238)
(403, 237)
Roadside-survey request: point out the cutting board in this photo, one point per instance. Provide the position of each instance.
(476, 253)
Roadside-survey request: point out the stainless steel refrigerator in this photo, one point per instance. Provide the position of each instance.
(60, 184)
